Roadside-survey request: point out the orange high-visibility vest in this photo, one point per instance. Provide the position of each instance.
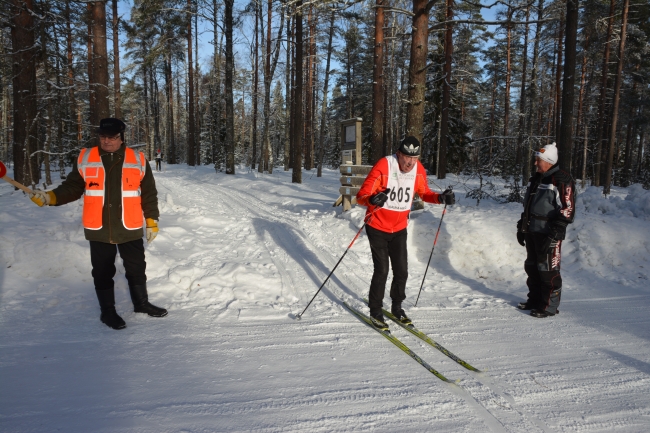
(92, 171)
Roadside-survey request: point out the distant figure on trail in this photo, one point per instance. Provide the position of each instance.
(158, 160)
(388, 193)
(549, 206)
(119, 192)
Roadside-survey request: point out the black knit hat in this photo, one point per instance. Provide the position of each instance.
(410, 146)
(111, 126)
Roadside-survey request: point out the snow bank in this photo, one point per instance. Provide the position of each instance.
(636, 203)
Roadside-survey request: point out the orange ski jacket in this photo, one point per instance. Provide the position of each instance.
(393, 216)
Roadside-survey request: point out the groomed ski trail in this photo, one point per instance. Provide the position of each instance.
(307, 266)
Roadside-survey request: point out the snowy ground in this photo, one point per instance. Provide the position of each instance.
(238, 256)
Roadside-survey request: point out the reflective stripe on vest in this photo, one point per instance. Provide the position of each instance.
(92, 171)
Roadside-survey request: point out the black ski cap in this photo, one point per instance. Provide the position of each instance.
(410, 146)
(110, 126)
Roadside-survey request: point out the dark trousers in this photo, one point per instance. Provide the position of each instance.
(384, 247)
(102, 257)
(544, 280)
(158, 164)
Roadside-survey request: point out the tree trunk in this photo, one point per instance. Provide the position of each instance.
(230, 115)
(565, 143)
(24, 91)
(216, 99)
(417, 70)
(195, 102)
(292, 137)
(309, 95)
(296, 176)
(91, 91)
(493, 117)
(256, 79)
(191, 148)
(639, 160)
(323, 112)
(585, 148)
(506, 102)
(171, 139)
(75, 111)
(378, 87)
(581, 94)
(270, 64)
(155, 111)
(617, 95)
(267, 155)
(60, 111)
(116, 63)
(49, 128)
(446, 94)
(100, 62)
(602, 125)
(149, 151)
(521, 156)
(287, 98)
(558, 80)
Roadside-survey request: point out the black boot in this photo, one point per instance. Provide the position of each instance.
(400, 315)
(107, 303)
(525, 306)
(141, 302)
(378, 321)
(541, 314)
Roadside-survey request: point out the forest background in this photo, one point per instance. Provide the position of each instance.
(265, 84)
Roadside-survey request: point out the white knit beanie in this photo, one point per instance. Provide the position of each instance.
(548, 153)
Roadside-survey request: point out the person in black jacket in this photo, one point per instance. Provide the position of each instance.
(549, 206)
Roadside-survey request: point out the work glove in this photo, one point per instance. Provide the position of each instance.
(43, 198)
(448, 196)
(152, 229)
(380, 198)
(521, 238)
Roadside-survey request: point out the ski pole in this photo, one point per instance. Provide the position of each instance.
(299, 316)
(444, 211)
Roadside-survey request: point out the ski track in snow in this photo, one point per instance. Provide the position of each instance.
(238, 256)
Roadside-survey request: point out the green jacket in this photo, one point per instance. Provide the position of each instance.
(113, 230)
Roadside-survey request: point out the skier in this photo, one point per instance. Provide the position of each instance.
(388, 193)
(158, 160)
(118, 188)
(549, 206)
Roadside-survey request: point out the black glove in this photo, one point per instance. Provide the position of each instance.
(380, 198)
(521, 238)
(448, 196)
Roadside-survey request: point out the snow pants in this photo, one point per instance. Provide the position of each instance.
(387, 247)
(544, 280)
(102, 257)
(158, 164)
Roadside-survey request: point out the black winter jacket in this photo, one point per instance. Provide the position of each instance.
(549, 203)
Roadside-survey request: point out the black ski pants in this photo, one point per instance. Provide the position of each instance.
(102, 257)
(158, 164)
(544, 280)
(387, 247)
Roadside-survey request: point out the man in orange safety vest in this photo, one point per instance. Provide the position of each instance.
(119, 200)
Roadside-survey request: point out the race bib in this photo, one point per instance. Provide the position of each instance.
(401, 186)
